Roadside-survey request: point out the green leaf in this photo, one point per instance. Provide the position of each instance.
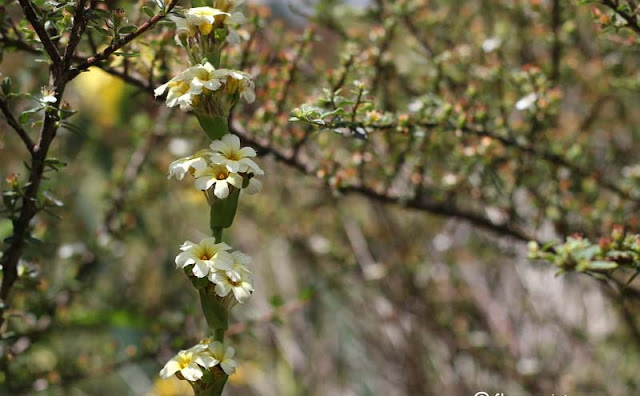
(6, 85)
(148, 11)
(127, 54)
(101, 31)
(602, 265)
(128, 29)
(276, 301)
(25, 115)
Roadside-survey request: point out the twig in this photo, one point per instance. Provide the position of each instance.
(16, 126)
(104, 54)
(49, 46)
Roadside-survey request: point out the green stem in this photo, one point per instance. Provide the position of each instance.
(219, 335)
(217, 233)
(214, 386)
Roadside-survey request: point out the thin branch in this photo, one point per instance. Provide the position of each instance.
(32, 17)
(104, 54)
(79, 25)
(422, 202)
(16, 126)
(632, 21)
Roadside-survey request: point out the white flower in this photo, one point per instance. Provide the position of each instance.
(227, 5)
(219, 177)
(491, 44)
(180, 167)
(223, 356)
(48, 95)
(236, 280)
(181, 91)
(227, 152)
(236, 18)
(526, 101)
(239, 82)
(237, 269)
(183, 28)
(189, 363)
(208, 77)
(206, 256)
(203, 18)
(254, 186)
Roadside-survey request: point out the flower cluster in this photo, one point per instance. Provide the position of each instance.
(202, 87)
(191, 364)
(218, 170)
(221, 275)
(226, 270)
(200, 28)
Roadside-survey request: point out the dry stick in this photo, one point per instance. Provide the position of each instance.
(60, 73)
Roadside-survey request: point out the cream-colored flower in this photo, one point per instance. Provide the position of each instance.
(208, 77)
(189, 363)
(206, 256)
(236, 280)
(184, 30)
(254, 186)
(227, 5)
(238, 268)
(218, 177)
(237, 18)
(181, 92)
(239, 82)
(223, 356)
(180, 167)
(204, 17)
(227, 152)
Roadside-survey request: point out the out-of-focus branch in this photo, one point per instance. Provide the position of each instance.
(107, 52)
(16, 126)
(631, 19)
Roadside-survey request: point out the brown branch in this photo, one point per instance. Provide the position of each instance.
(422, 202)
(104, 54)
(16, 126)
(32, 17)
(79, 25)
(632, 21)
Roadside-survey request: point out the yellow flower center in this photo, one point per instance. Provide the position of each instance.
(182, 87)
(232, 85)
(205, 28)
(184, 360)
